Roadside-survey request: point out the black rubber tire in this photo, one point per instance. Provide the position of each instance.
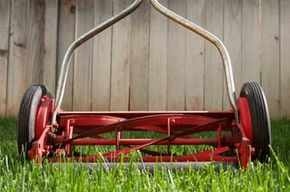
(261, 126)
(27, 115)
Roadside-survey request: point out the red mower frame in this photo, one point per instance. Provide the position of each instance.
(242, 133)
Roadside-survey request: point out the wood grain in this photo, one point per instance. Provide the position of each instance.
(83, 57)
(102, 50)
(158, 60)
(251, 37)
(271, 54)
(66, 35)
(139, 58)
(120, 80)
(144, 62)
(50, 45)
(17, 56)
(194, 69)
(176, 59)
(233, 42)
(4, 51)
(35, 41)
(213, 63)
(285, 58)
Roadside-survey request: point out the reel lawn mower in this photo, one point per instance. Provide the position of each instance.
(237, 136)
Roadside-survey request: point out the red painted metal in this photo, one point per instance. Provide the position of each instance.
(40, 147)
(207, 141)
(245, 117)
(231, 143)
(135, 114)
(206, 156)
(43, 115)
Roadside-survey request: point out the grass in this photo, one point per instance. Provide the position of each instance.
(27, 176)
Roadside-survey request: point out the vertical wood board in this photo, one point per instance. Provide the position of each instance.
(285, 58)
(213, 63)
(271, 55)
(4, 51)
(120, 80)
(17, 56)
(35, 41)
(251, 37)
(102, 50)
(66, 35)
(158, 60)
(233, 42)
(83, 57)
(139, 61)
(194, 68)
(176, 59)
(50, 45)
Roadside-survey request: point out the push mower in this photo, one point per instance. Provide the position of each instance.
(237, 136)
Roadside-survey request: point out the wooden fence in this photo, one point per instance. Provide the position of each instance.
(145, 62)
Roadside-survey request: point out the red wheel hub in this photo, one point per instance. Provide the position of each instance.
(43, 117)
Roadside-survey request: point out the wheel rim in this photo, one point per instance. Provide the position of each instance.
(260, 121)
(27, 117)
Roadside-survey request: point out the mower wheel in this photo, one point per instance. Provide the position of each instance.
(261, 127)
(27, 117)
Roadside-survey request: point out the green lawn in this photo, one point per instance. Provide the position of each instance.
(27, 176)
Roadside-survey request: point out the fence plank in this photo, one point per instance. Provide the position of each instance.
(83, 57)
(251, 48)
(101, 72)
(233, 42)
(17, 55)
(35, 41)
(66, 35)
(271, 54)
(176, 59)
(4, 51)
(50, 45)
(213, 64)
(194, 69)
(120, 60)
(158, 59)
(285, 58)
(139, 58)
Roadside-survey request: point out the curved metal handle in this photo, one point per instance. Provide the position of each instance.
(171, 15)
(211, 38)
(66, 61)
